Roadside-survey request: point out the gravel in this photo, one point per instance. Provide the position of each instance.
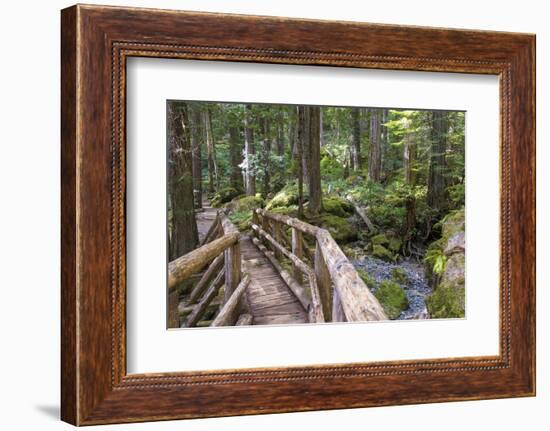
(416, 289)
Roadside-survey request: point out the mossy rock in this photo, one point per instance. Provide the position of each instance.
(246, 203)
(337, 206)
(452, 223)
(381, 252)
(367, 279)
(392, 297)
(340, 228)
(285, 197)
(399, 275)
(446, 302)
(223, 196)
(380, 239)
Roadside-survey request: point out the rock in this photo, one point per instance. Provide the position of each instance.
(392, 297)
(337, 206)
(446, 302)
(223, 196)
(285, 197)
(454, 270)
(340, 228)
(247, 203)
(395, 244)
(456, 244)
(382, 252)
(380, 239)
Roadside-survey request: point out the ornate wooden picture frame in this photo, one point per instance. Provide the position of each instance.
(96, 41)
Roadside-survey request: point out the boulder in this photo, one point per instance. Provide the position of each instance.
(455, 244)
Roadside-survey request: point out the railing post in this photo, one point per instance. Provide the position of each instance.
(232, 269)
(276, 227)
(297, 250)
(266, 226)
(324, 282)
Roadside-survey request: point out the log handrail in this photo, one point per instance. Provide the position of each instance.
(183, 267)
(351, 299)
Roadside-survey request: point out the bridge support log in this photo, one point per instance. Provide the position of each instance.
(230, 311)
(210, 294)
(212, 270)
(245, 320)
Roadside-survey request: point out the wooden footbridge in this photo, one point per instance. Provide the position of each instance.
(286, 271)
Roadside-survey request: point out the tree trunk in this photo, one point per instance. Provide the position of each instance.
(299, 145)
(196, 144)
(235, 156)
(409, 160)
(356, 138)
(375, 149)
(266, 154)
(249, 153)
(436, 181)
(213, 179)
(184, 236)
(313, 155)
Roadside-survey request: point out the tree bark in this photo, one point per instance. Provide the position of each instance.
(356, 138)
(314, 157)
(249, 153)
(409, 160)
(196, 144)
(213, 179)
(436, 180)
(299, 144)
(375, 149)
(184, 234)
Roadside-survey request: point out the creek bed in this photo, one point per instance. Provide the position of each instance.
(416, 289)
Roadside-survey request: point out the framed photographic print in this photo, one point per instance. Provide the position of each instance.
(266, 214)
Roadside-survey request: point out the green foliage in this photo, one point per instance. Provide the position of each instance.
(331, 168)
(246, 203)
(392, 297)
(241, 219)
(399, 275)
(435, 258)
(447, 301)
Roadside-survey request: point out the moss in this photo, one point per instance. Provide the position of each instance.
(380, 239)
(446, 302)
(392, 297)
(285, 197)
(399, 275)
(341, 229)
(366, 277)
(246, 203)
(223, 196)
(395, 244)
(337, 206)
(241, 219)
(383, 253)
